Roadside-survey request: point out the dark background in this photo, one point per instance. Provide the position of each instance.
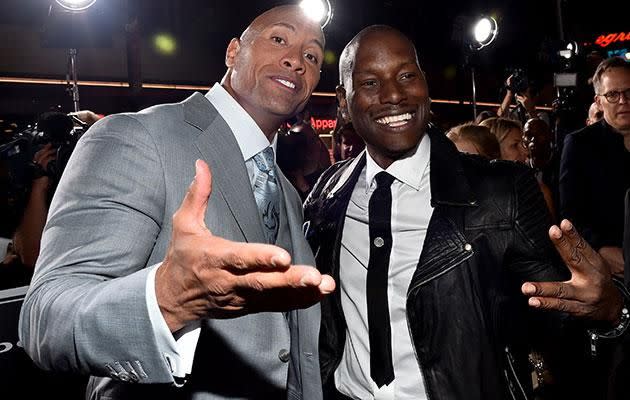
(36, 41)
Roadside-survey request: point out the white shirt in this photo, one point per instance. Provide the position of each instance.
(411, 211)
(251, 140)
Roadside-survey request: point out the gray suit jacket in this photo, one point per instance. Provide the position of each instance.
(110, 219)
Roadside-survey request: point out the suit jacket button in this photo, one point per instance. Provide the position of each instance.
(123, 376)
(283, 355)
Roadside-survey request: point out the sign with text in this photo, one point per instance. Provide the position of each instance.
(608, 39)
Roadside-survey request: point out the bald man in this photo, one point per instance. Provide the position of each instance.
(148, 282)
(435, 252)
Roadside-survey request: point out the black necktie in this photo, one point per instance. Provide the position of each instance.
(380, 210)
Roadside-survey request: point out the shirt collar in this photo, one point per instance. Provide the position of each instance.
(405, 169)
(250, 138)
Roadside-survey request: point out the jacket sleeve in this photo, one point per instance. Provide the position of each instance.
(531, 253)
(86, 308)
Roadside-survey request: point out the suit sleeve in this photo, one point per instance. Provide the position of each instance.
(86, 308)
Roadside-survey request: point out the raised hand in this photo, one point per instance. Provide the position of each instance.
(45, 155)
(206, 276)
(590, 293)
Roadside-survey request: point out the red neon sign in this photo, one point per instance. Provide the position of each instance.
(605, 40)
(323, 124)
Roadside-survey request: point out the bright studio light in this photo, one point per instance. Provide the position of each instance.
(318, 10)
(569, 51)
(75, 5)
(485, 30)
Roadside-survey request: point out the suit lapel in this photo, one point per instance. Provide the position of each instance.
(219, 149)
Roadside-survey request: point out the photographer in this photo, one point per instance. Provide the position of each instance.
(36, 169)
(519, 87)
(28, 233)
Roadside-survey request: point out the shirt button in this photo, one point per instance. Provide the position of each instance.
(379, 242)
(467, 247)
(283, 355)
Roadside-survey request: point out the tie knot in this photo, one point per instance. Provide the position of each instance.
(264, 160)
(383, 180)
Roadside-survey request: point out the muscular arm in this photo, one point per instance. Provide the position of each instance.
(86, 306)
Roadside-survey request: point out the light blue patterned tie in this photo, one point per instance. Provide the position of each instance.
(267, 194)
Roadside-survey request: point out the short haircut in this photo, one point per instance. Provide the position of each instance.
(347, 58)
(604, 66)
(501, 127)
(480, 136)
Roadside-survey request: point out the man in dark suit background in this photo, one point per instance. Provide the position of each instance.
(137, 283)
(595, 166)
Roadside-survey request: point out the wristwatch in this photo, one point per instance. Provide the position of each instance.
(624, 321)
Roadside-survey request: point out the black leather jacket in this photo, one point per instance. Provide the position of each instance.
(470, 325)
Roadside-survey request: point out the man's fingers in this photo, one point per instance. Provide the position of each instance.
(559, 290)
(242, 258)
(576, 240)
(575, 252)
(572, 307)
(192, 211)
(299, 286)
(327, 284)
(294, 277)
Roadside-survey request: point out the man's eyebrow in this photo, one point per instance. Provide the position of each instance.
(371, 70)
(292, 28)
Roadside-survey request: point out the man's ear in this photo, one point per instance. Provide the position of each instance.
(343, 103)
(232, 50)
(598, 102)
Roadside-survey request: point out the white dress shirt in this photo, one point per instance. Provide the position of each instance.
(251, 140)
(411, 211)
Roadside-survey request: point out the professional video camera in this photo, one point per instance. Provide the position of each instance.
(60, 130)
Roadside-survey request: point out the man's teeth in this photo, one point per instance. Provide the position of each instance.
(395, 120)
(286, 83)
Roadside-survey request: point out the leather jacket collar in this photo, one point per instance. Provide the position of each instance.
(449, 185)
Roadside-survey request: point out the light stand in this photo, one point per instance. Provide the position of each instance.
(484, 32)
(71, 79)
(474, 91)
(71, 8)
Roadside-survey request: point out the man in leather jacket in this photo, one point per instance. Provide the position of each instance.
(468, 245)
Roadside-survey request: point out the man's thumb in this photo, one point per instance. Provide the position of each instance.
(193, 207)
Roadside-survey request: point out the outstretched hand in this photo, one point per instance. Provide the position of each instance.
(590, 293)
(206, 276)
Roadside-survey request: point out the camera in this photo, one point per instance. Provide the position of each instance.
(59, 130)
(519, 82)
(62, 132)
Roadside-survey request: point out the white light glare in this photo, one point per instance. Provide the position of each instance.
(318, 10)
(569, 51)
(483, 29)
(484, 32)
(75, 5)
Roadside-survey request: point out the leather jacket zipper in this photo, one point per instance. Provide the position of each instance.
(412, 288)
(510, 384)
